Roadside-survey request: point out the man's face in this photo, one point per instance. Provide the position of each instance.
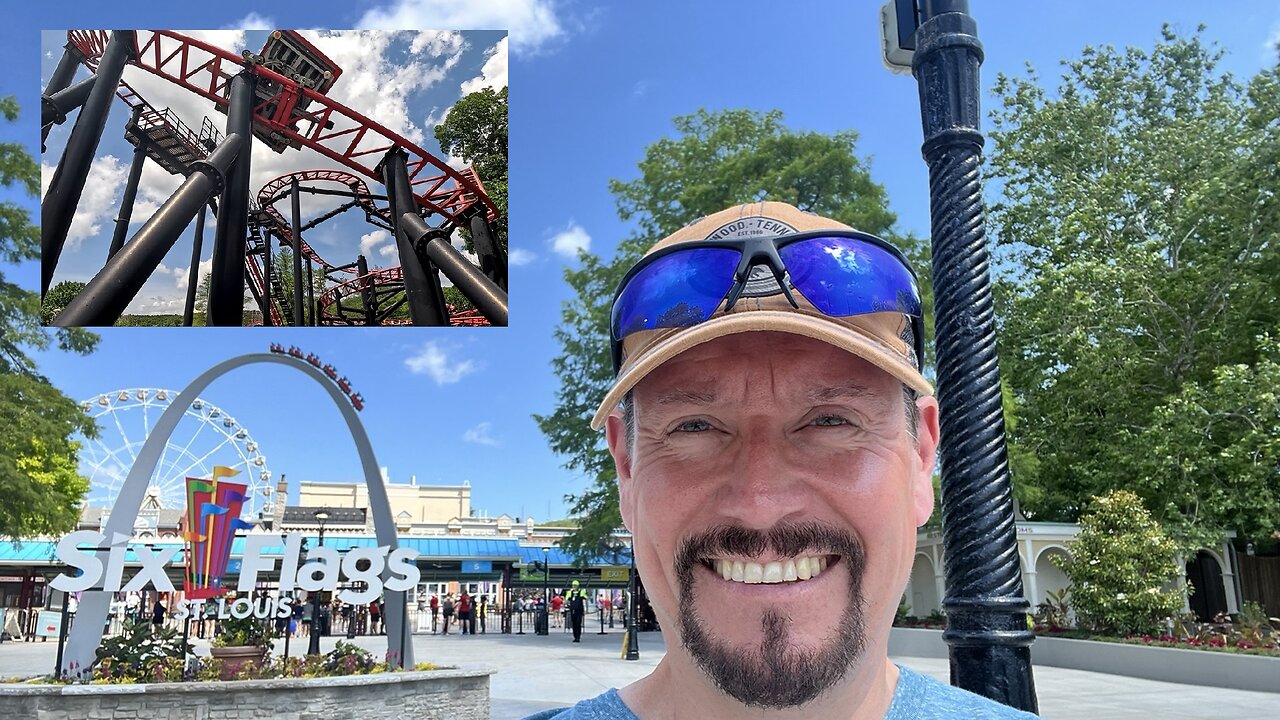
(786, 464)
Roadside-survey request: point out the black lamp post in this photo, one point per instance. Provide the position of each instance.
(546, 590)
(633, 640)
(990, 646)
(321, 515)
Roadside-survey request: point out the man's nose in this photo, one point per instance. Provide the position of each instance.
(763, 485)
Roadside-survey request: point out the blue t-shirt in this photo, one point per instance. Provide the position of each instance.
(917, 697)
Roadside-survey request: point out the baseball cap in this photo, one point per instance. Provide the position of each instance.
(881, 338)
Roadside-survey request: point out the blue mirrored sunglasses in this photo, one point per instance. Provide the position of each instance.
(840, 272)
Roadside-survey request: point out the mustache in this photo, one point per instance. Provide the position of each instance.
(786, 539)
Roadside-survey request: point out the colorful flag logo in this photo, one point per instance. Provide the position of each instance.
(213, 517)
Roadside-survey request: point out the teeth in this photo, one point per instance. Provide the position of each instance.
(790, 570)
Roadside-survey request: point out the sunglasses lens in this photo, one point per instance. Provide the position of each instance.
(676, 290)
(847, 276)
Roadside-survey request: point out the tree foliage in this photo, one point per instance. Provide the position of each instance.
(476, 131)
(58, 298)
(1121, 568)
(1137, 258)
(20, 327)
(715, 161)
(39, 482)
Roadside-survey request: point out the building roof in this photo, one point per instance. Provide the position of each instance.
(338, 516)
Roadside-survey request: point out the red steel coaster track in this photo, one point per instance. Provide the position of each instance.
(291, 110)
(298, 113)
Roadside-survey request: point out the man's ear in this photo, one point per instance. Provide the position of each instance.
(615, 434)
(926, 451)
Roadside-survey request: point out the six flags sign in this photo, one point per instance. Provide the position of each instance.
(212, 520)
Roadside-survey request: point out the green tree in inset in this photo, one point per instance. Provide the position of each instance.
(476, 131)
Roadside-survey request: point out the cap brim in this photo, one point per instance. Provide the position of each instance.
(844, 336)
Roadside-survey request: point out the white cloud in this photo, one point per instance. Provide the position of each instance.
(493, 74)
(370, 241)
(98, 199)
(532, 23)
(481, 434)
(570, 241)
(520, 256)
(434, 361)
(252, 21)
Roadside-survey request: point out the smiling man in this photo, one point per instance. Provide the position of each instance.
(774, 440)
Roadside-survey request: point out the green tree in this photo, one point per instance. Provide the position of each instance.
(58, 298)
(1136, 256)
(717, 160)
(1121, 566)
(41, 487)
(476, 131)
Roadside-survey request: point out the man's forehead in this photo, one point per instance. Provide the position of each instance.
(809, 370)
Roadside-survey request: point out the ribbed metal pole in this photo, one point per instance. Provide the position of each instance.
(296, 231)
(59, 205)
(193, 273)
(226, 286)
(130, 192)
(107, 295)
(421, 286)
(990, 645)
(311, 296)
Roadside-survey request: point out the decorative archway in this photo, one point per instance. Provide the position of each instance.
(86, 633)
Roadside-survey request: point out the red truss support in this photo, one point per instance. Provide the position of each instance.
(325, 126)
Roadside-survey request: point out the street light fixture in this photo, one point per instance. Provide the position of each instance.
(313, 648)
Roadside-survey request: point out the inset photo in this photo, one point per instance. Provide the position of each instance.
(278, 178)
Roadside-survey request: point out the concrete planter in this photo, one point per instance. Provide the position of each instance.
(1187, 667)
(235, 656)
(443, 694)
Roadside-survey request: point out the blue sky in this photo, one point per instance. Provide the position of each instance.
(591, 86)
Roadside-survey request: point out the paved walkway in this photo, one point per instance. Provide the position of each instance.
(534, 673)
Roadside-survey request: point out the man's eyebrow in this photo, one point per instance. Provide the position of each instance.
(850, 390)
(686, 397)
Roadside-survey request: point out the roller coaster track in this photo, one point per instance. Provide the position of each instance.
(298, 114)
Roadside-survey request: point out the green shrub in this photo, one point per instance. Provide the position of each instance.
(1121, 564)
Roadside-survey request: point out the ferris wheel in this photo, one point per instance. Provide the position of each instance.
(205, 436)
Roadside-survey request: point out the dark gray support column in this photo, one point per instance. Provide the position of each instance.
(492, 260)
(53, 92)
(990, 645)
(60, 201)
(434, 245)
(296, 231)
(311, 296)
(130, 192)
(368, 298)
(226, 287)
(193, 274)
(107, 295)
(421, 286)
(54, 108)
(266, 273)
